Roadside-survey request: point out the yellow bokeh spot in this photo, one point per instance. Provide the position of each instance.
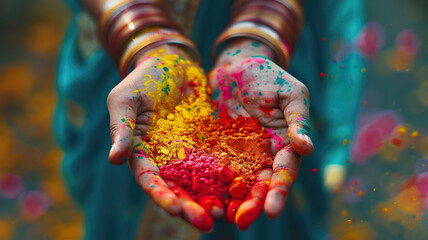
(402, 130)
(345, 141)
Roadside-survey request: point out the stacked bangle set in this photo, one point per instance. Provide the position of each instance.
(132, 27)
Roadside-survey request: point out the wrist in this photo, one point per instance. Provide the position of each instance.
(242, 48)
(159, 51)
(146, 43)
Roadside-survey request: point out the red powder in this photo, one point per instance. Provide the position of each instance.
(241, 144)
(226, 149)
(266, 111)
(397, 142)
(197, 174)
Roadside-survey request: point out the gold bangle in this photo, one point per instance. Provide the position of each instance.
(276, 45)
(297, 7)
(108, 16)
(284, 26)
(153, 40)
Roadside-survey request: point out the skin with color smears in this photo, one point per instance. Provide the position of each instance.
(241, 144)
(149, 93)
(250, 84)
(169, 118)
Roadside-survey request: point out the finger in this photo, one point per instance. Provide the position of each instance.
(147, 176)
(123, 114)
(295, 106)
(299, 136)
(278, 139)
(285, 167)
(192, 212)
(252, 206)
(232, 208)
(213, 206)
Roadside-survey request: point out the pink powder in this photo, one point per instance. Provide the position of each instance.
(197, 174)
(238, 77)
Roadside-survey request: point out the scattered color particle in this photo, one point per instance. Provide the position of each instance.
(345, 141)
(396, 141)
(11, 185)
(414, 134)
(324, 39)
(255, 44)
(237, 52)
(215, 95)
(348, 221)
(322, 74)
(314, 169)
(402, 130)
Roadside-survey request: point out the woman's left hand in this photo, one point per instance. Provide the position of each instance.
(246, 82)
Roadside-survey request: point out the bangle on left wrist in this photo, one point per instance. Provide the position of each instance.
(141, 44)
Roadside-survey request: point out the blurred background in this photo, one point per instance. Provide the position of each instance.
(385, 194)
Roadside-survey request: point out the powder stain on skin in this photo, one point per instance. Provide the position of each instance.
(195, 148)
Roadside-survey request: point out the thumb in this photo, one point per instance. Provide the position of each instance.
(122, 110)
(296, 113)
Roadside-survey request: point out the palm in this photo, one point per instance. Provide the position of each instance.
(259, 88)
(148, 93)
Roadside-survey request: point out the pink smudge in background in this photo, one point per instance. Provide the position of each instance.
(371, 39)
(34, 204)
(407, 42)
(371, 135)
(11, 185)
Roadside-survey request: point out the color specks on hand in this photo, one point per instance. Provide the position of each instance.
(200, 148)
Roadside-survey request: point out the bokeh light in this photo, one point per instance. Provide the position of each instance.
(11, 185)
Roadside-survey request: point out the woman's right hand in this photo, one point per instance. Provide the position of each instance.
(134, 105)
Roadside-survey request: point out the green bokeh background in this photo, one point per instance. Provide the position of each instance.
(30, 36)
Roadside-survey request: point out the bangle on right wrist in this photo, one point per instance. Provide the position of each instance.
(259, 33)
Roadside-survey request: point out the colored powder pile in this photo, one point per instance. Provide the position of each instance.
(204, 151)
(198, 174)
(241, 144)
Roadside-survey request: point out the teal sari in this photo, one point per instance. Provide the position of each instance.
(112, 202)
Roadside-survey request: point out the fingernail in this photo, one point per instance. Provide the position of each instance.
(113, 148)
(307, 139)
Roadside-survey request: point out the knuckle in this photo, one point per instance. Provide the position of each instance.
(113, 130)
(112, 96)
(303, 87)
